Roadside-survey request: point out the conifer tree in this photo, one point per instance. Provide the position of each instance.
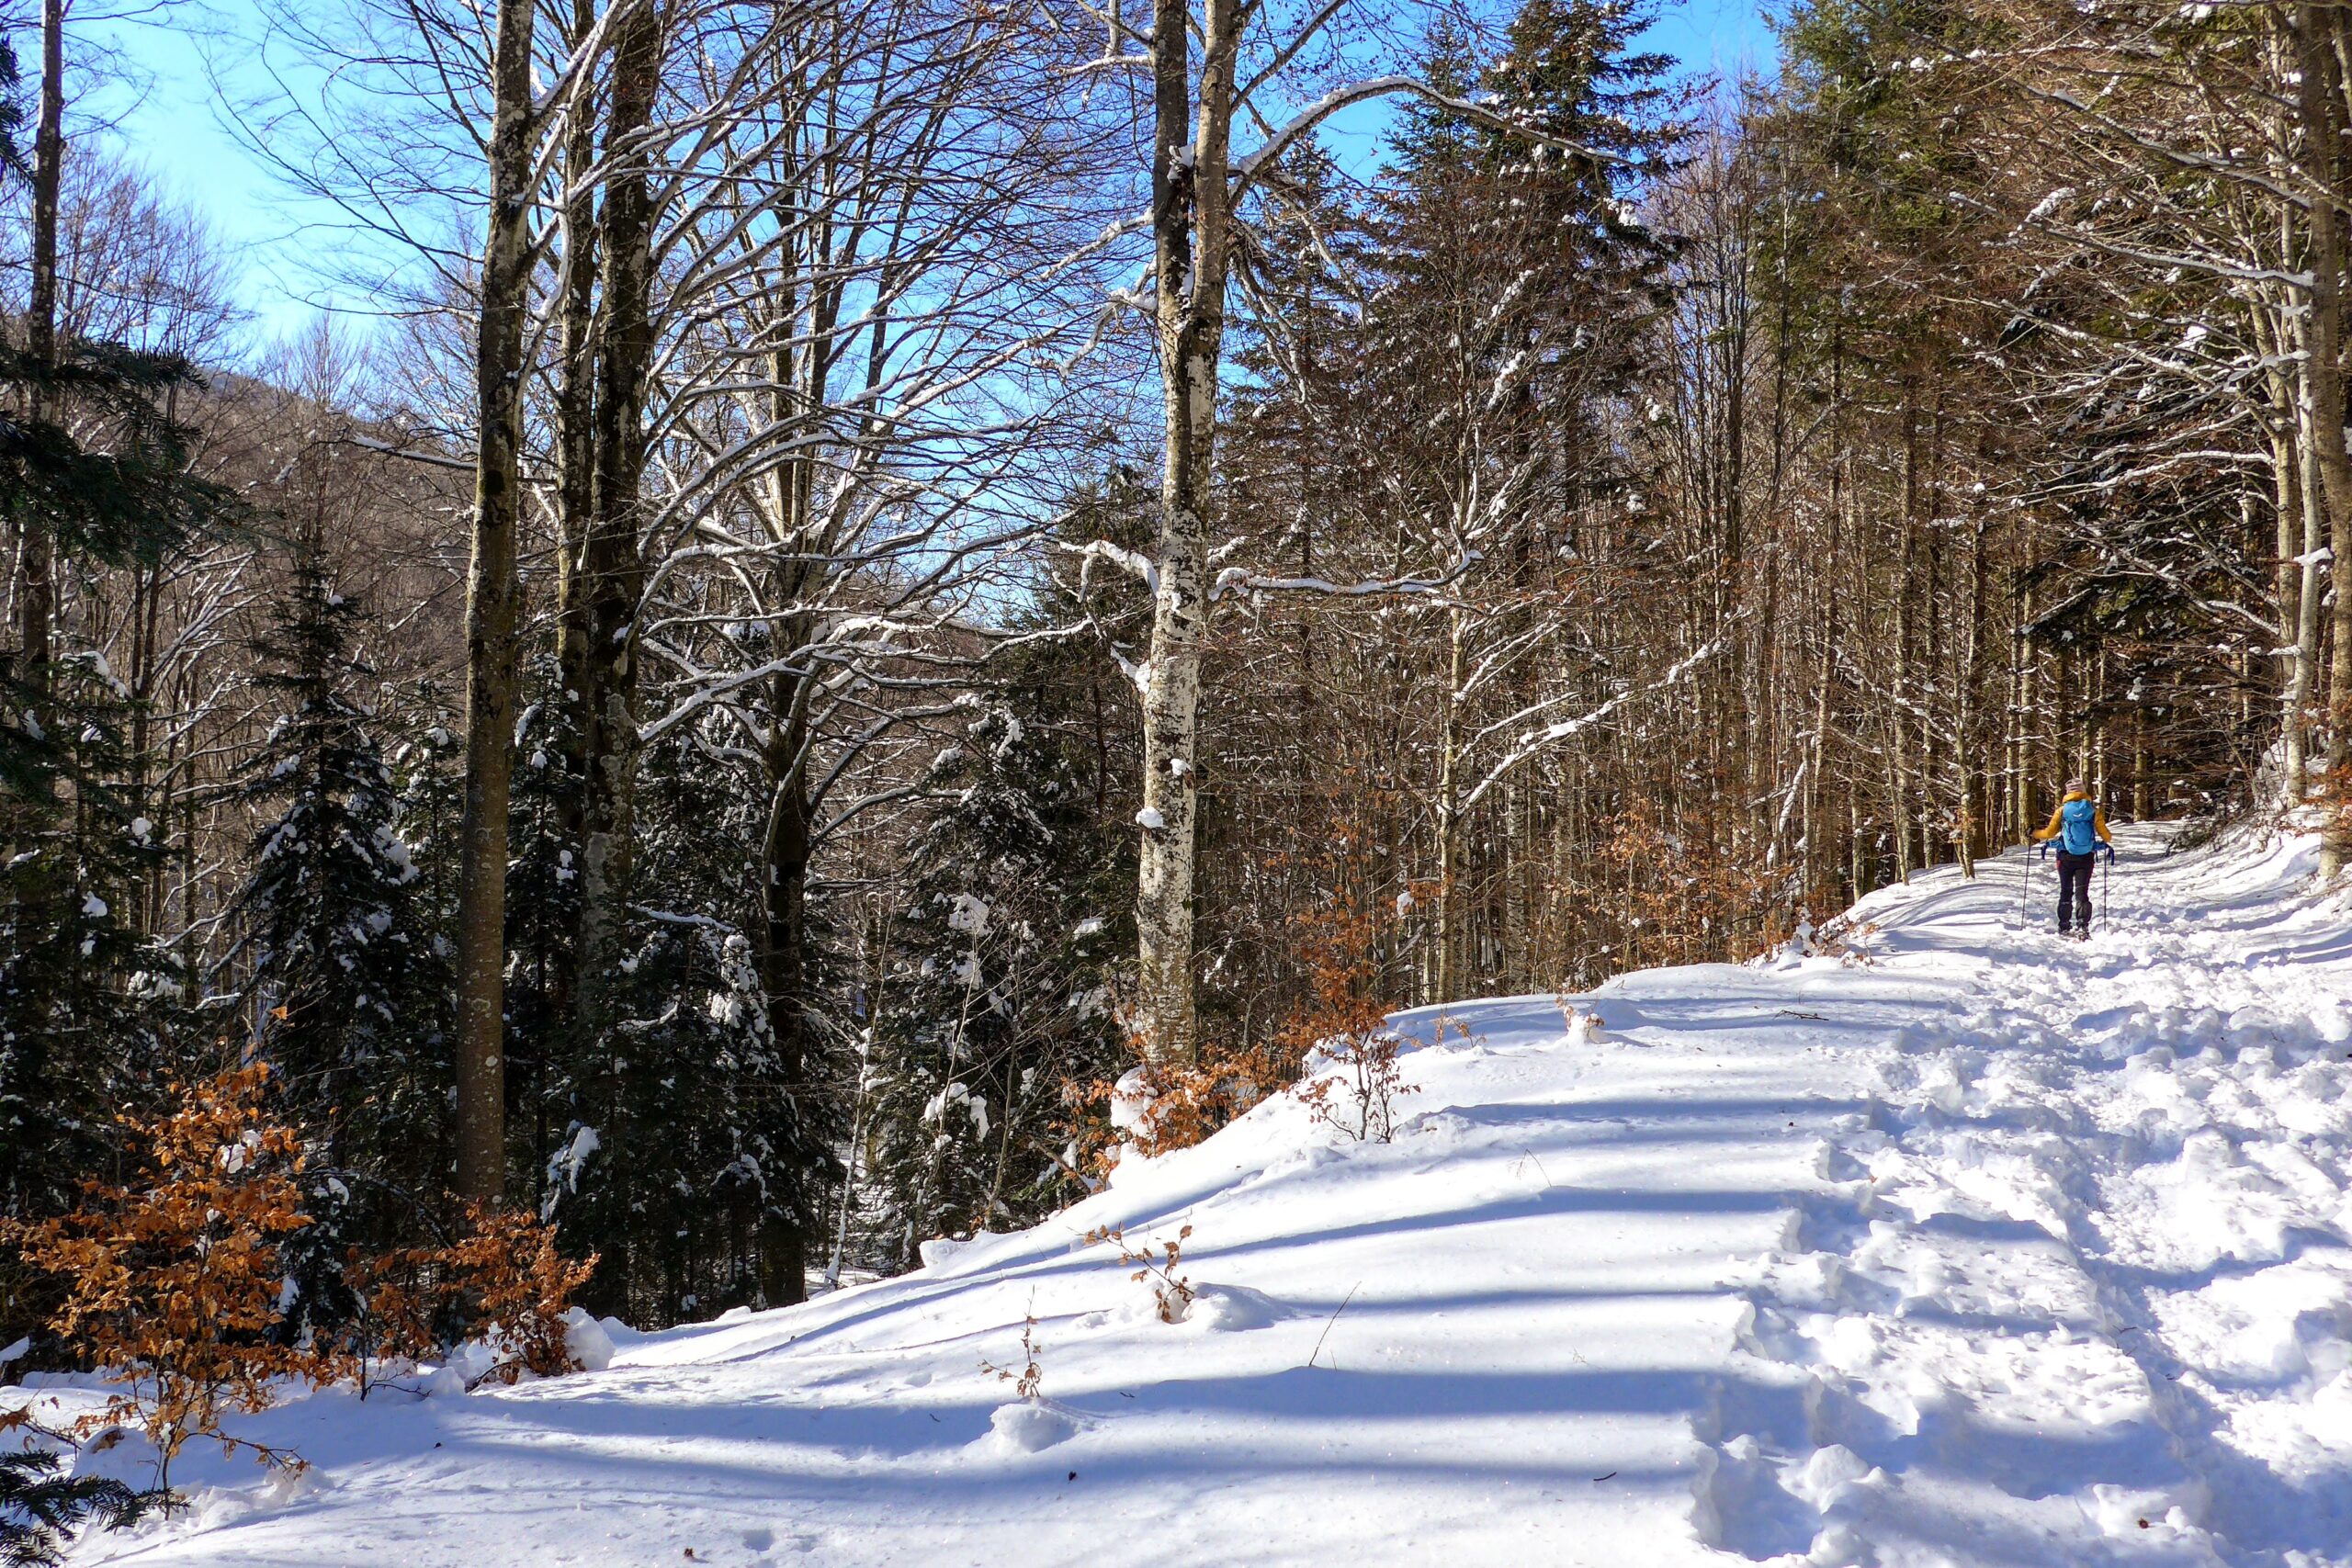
(672, 1141)
(95, 465)
(41, 1508)
(544, 1047)
(344, 982)
(87, 1008)
(75, 981)
(996, 1002)
(349, 990)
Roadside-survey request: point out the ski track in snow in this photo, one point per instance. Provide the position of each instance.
(1993, 1250)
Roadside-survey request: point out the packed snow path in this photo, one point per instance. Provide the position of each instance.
(1992, 1249)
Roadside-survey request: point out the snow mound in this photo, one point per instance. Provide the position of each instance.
(589, 1339)
(1027, 1427)
(1230, 1309)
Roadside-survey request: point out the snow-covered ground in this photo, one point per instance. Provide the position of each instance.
(1991, 1250)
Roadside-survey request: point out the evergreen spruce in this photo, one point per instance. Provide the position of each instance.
(996, 1003)
(348, 998)
(89, 1011)
(87, 1008)
(669, 1143)
(544, 1059)
(41, 1508)
(1510, 259)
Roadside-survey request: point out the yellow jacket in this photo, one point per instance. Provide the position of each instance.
(2098, 819)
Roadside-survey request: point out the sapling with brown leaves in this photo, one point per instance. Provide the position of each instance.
(172, 1277)
(1356, 1085)
(1341, 1032)
(1029, 1380)
(1155, 1263)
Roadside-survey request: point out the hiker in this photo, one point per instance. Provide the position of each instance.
(2080, 828)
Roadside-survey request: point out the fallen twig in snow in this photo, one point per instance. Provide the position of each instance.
(1329, 1321)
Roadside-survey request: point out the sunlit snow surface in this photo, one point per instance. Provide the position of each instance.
(1994, 1250)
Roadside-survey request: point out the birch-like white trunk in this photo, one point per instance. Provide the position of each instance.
(1190, 234)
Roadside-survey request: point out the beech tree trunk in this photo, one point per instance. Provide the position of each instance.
(37, 590)
(2325, 382)
(575, 444)
(612, 563)
(2322, 104)
(1900, 761)
(491, 607)
(2302, 676)
(1966, 766)
(2287, 507)
(1448, 978)
(1190, 234)
(783, 979)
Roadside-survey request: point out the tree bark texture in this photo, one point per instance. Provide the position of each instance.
(492, 611)
(1191, 232)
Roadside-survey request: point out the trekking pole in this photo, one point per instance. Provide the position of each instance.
(2025, 907)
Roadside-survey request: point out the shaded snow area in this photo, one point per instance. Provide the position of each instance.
(1991, 1249)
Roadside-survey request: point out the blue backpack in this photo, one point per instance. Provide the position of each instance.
(2078, 827)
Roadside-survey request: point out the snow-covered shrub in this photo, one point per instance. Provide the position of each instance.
(515, 1287)
(1337, 1037)
(1155, 1107)
(1847, 939)
(493, 1304)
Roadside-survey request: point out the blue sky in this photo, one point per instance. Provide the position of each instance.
(1726, 37)
(175, 129)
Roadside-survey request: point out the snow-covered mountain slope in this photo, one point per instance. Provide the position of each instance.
(1994, 1249)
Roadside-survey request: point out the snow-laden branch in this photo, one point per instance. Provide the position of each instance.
(1248, 169)
(409, 454)
(582, 63)
(1139, 675)
(2205, 263)
(1241, 580)
(1537, 741)
(1133, 563)
(1106, 62)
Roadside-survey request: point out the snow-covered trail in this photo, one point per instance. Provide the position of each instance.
(2075, 1286)
(1991, 1250)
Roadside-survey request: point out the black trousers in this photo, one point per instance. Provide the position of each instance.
(2075, 890)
